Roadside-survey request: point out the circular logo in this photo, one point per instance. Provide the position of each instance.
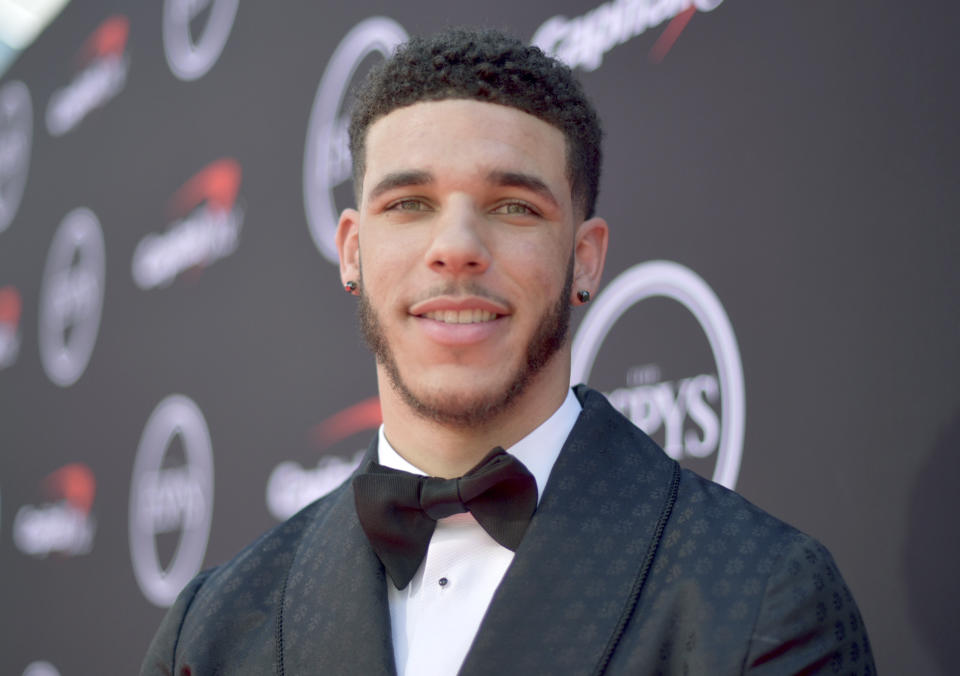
(16, 136)
(707, 5)
(40, 668)
(326, 159)
(171, 498)
(71, 297)
(189, 58)
(673, 281)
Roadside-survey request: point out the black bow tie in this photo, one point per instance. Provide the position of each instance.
(399, 510)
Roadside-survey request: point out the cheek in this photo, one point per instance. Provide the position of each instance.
(540, 265)
(382, 261)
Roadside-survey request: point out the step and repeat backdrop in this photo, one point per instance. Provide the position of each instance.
(180, 369)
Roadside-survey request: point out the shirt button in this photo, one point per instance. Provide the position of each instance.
(443, 581)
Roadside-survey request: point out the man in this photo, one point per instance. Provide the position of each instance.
(476, 164)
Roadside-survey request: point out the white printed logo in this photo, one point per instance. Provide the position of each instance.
(55, 527)
(189, 58)
(291, 487)
(651, 404)
(326, 160)
(16, 136)
(170, 499)
(207, 231)
(582, 41)
(102, 77)
(63, 525)
(71, 297)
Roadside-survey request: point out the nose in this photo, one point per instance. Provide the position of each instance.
(457, 241)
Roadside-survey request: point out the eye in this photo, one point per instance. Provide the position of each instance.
(408, 204)
(515, 209)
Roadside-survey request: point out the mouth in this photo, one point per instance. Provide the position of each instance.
(460, 321)
(467, 316)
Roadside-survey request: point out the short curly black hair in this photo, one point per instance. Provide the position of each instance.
(485, 65)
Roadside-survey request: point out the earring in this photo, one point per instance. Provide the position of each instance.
(350, 286)
(583, 296)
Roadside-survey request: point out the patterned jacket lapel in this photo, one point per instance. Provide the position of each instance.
(578, 572)
(334, 603)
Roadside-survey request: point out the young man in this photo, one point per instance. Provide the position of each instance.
(476, 164)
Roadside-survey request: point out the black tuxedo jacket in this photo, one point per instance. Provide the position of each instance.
(630, 565)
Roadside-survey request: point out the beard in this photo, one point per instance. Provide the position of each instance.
(480, 410)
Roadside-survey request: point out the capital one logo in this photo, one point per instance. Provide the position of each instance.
(326, 160)
(71, 297)
(16, 137)
(101, 75)
(175, 498)
(205, 228)
(683, 410)
(64, 524)
(581, 42)
(291, 487)
(192, 49)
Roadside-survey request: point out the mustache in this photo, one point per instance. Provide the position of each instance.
(455, 289)
(461, 289)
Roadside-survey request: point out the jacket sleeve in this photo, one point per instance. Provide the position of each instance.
(160, 657)
(808, 622)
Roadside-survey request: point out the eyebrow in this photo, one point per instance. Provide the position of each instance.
(400, 179)
(505, 179)
(516, 179)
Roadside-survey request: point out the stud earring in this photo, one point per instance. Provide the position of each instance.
(583, 296)
(350, 286)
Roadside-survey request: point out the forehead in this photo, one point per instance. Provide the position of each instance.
(457, 138)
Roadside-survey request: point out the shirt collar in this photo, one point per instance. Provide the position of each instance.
(538, 450)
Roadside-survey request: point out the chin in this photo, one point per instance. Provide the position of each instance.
(461, 398)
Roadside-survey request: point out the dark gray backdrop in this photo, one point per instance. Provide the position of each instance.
(799, 157)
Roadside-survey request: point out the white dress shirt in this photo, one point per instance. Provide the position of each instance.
(435, 618)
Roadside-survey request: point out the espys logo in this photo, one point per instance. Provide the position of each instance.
(205, 229)
(191, 57)
(171, 495)
(16, 137)
(101, 75)
(677, 408)
(290, 487)
(326, 159)
(10, 307)
(63, 525)
(583, 41)
(71, 297)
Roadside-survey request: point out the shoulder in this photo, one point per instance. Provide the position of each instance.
(731, 588)
(773, 589)
(738, 550)
(700, 508)
(229, 611)
(766, 589)
(268, 558)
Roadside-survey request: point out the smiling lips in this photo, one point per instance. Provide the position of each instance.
(470, 309)
(474, 316)
(459, 321)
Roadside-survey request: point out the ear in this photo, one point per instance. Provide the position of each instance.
(590, 252)
(348, 245)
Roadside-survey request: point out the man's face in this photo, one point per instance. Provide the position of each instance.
(466, 235)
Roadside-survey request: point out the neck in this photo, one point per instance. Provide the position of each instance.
(446, 450)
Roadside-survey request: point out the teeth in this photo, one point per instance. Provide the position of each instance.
(461, 316)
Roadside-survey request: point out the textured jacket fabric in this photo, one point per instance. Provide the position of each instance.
(631, 565)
